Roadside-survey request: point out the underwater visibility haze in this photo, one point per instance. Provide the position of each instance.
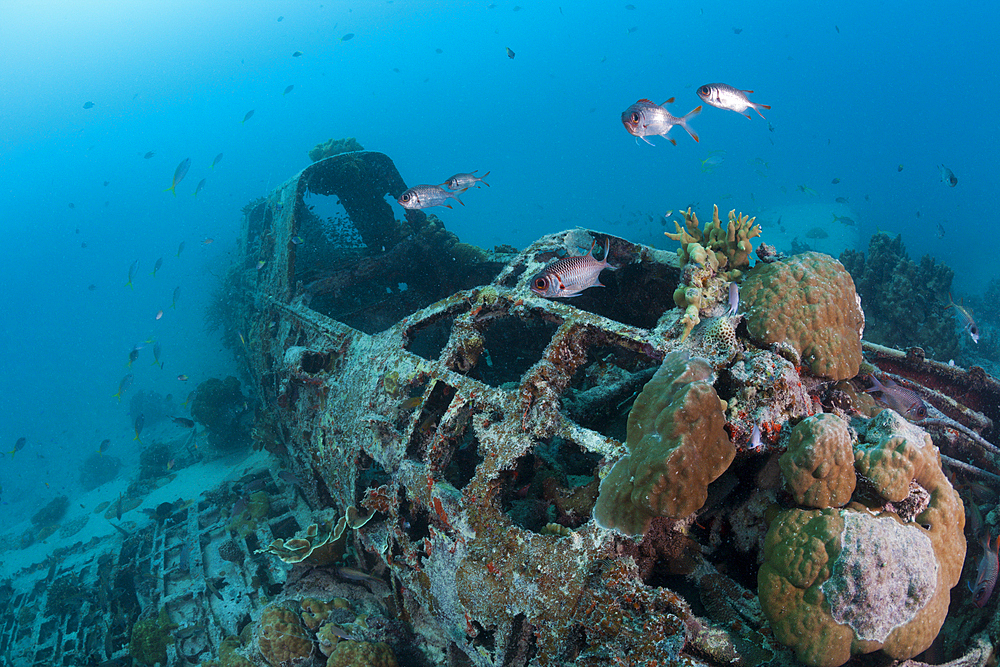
(136, 137)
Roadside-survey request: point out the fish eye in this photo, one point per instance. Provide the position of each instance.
(635, 117)
(703, 90)
(541, 283)
(405, 197)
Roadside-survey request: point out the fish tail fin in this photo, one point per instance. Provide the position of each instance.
(758, 107)
(12, 452)
(682, 121)
(454, 195)
(482, 177)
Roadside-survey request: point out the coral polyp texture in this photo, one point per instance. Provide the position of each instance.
(808, 302)
(677, 447)
(818, 465)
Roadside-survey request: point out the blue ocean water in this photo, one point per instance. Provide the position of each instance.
(857, 91)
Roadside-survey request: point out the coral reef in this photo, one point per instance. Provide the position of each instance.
(677, 446)
(361, 654)
(535, 498)
(818, 465)
(51, 513)
(150, 638)
(807, 302)
(840, 582)
(711, 259)
(222, 408)
(320, 544)
(332, 147)
(281, 637)
(904, 301)
(98, 469)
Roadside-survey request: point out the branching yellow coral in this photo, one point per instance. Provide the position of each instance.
(731, 246)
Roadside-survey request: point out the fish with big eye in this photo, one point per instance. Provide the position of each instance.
(901, 399)
(571, 275)
(724, 96)
(425, 196)
(647, 119)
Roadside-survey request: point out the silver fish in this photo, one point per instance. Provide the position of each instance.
(948, 176)
(724, 96)
(968, 323)
(904, 401)
(425, 196)
(647, 119)
(465, 181)
(570, 276)
(734, 299)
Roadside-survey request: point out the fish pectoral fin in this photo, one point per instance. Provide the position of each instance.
(647, 141)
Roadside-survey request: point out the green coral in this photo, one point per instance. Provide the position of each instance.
(808, 302)
(905, 302)
(282, 638)
(818, 465)
(361, 654)
(710, 260)
(677, 446)
(150, 637)
(838, 582)
(332, 147)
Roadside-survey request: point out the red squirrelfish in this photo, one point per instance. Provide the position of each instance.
(425, 196)
(570, 276)
(465, 181)
(986, 577)
(647, 119)
(968, 323)
(904, 401)
(724, 96)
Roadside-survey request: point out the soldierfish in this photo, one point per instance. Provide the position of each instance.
(724, 96)
(904, 401)
(648, 119)
(968, 323)
(425, 196)
(986, 577)
(179, 173)
(948, 176)
(570, 276)
(465, 181)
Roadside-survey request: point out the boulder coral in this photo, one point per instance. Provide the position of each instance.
(807, 301)
(838, 582)
(677, 446)
(281, 637)
(818, 465)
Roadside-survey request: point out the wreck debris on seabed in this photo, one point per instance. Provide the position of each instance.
(536, 471)
(476, 475)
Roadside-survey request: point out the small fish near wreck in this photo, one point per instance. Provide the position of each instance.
(425, 196)
(179, 174)
(904, 401)
(724, 96)
(964, 316)
(570, 276)
(462, 182)
(647, 119)
(948, 176)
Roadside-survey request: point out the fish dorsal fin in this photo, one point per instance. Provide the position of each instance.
(648, 100)
(669, 101)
